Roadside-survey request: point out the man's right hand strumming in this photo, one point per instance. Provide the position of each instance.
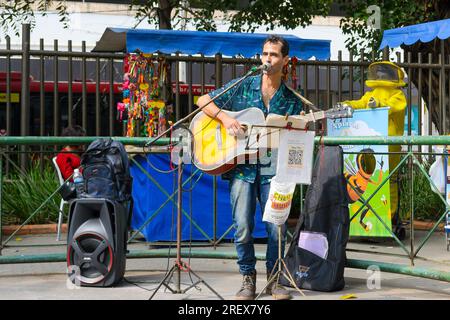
(232, 125)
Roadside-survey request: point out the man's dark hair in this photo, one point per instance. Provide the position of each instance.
(73, 131)
(278, 39)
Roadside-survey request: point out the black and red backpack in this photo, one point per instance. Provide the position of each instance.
(106, 171)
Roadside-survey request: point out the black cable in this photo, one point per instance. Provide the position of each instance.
(192, 187)
(171, 225)
(135, 283)
(152, 166)
(171, 233)
(190, 233)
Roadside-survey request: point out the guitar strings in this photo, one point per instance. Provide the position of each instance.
(193, 160)
(220, 110)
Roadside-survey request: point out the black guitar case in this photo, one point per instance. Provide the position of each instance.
(325, 211)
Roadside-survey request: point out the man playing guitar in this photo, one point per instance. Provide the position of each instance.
(248, 183)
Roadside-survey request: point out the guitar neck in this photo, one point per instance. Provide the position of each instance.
(333, 113)
(313, 116)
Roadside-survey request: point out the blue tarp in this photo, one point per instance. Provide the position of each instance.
(424, 32)
(148, 198)
(207, 43)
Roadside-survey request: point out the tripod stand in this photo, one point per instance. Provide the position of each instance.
(276, 277)
(179, 264)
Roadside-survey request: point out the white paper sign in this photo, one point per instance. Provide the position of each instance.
(295, 156)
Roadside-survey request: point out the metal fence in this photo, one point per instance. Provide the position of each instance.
(410, 252)
(45, 90)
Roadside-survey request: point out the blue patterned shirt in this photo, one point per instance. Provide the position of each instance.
(246, 95)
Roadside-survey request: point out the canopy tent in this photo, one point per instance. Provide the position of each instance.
(202, 42)
(423, 32)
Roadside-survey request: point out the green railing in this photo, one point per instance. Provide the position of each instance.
(409, 157)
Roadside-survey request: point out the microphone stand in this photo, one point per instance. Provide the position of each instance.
(179, 264)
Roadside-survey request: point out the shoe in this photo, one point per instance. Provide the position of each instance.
(277, 291)
(248, 289)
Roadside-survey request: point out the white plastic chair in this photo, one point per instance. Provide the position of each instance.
(63, 202)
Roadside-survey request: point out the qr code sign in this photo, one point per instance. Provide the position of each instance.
(295, 157)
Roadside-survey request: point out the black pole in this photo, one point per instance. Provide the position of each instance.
(25, 93)
(179, 213)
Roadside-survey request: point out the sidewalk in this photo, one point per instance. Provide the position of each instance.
(49, 281)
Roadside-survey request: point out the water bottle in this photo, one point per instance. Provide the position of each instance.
(78, 182)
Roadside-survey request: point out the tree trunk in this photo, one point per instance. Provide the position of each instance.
(165, 14)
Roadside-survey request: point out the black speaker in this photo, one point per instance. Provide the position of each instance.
(96, 242)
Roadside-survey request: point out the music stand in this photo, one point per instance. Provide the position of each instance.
(279, 264)
(179, 264)
(279, 272)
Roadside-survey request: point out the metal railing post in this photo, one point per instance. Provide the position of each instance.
(41, 101)
(386, 53)
(25, 93)
(111, 98)
(8, 95)
(177, 92)
(69, 88)
(218, 71)
(411, 182)
(442, 105)
(84, 88)
(97, 97)
(56, 106)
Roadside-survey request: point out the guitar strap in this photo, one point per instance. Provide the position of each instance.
(304, 100)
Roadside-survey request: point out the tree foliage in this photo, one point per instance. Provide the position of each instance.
(242, 15)
(14, 13)
(358, 22)
(395, 14)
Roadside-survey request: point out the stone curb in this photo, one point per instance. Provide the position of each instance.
(427, 226)
(33, 229)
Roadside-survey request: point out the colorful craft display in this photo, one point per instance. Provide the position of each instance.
(144, 78)
(142, 107)
(290, 71)
(294, 62)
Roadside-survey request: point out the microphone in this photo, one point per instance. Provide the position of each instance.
(264, 67)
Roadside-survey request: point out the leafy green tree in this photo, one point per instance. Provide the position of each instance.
(244, 15)
(14, 13)
(358, 25)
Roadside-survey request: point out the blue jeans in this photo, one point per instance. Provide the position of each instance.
(243, 205)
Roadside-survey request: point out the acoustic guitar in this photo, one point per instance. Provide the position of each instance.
(216, 151)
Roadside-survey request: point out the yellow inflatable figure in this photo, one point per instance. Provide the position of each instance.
(386, 78)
